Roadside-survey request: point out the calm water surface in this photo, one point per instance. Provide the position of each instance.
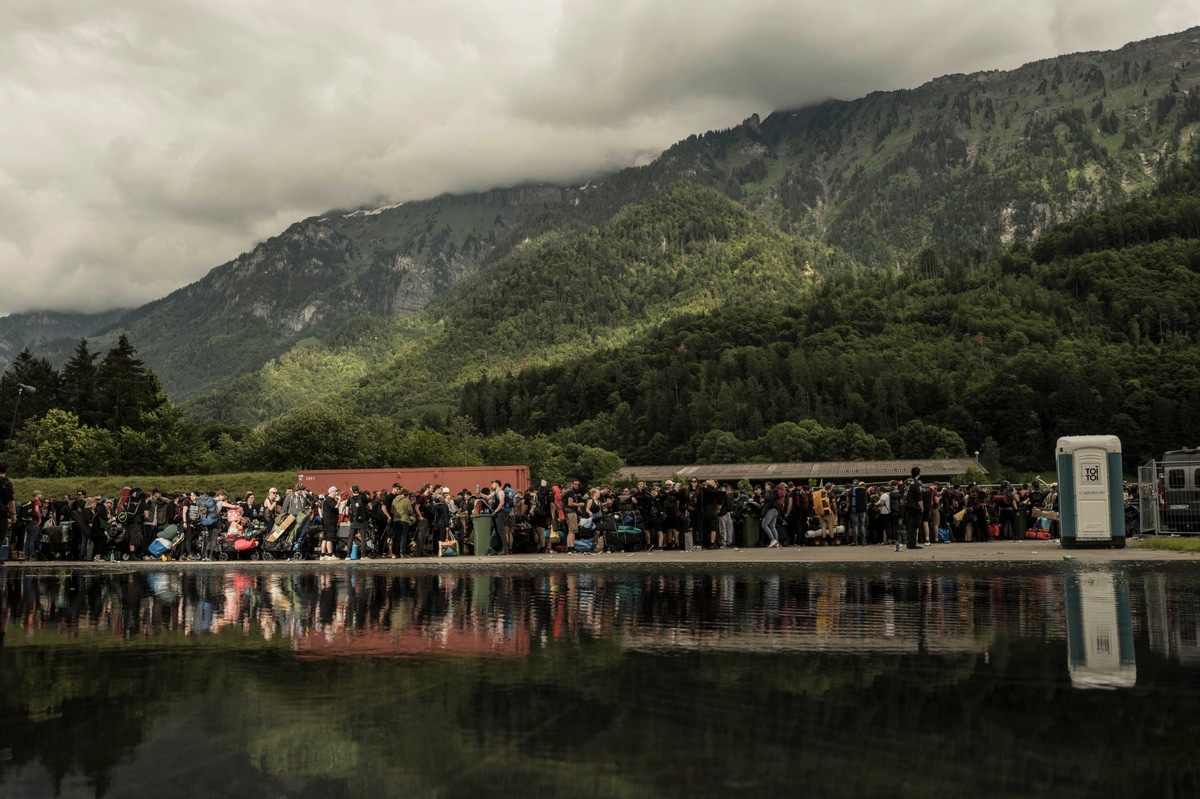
(868, 682)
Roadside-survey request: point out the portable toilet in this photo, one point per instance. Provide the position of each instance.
(1091, 502)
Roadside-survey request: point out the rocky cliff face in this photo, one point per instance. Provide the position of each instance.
(315, 276)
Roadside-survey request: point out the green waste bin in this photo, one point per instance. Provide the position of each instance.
(482, 528)
(751, 528)
(1022, 524)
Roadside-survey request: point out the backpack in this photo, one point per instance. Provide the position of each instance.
(545, 498)
(910, 498)
(510, 500)
(820, 502)
(24, 512)
(194, 512)
(210, 516)
(858, 499)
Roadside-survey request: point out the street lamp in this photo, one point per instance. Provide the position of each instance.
(21, 389)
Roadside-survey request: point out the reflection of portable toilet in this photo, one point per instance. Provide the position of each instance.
(1099, 631)
(1091, 504)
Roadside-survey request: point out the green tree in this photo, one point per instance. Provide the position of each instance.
(78, 392)
(316, 436)
(916, 439)
(126, 389)
(20, 404)
(57, 445)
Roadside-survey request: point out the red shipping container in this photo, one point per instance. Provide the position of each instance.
(455, 477)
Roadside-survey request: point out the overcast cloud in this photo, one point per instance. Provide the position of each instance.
(147, 141)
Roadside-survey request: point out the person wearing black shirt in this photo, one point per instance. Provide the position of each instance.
(329, 523)
(914, 508)
(712, 500)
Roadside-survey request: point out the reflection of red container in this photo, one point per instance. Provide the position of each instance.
(456, 477)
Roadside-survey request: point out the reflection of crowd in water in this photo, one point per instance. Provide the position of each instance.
(382, 613)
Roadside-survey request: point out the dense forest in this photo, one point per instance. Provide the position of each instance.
(1091, 331)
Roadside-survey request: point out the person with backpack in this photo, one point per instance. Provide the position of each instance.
(913, 501)
(826, 512)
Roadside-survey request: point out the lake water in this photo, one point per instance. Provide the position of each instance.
(859, 682)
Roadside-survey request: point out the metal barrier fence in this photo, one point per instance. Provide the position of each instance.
(1169, 497)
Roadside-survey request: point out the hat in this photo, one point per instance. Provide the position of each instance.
(332, 490)
(445, 489)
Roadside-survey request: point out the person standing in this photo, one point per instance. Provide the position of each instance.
(500, 516)
(573, 499)
(825, 509)
(358, 512)
(329, 523)
(712, 501)
(914, 508)
(270, 507)
(31, 519)
(857, 503)
(402, 519)
(156, 512)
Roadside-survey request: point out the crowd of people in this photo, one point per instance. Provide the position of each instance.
(433, 520)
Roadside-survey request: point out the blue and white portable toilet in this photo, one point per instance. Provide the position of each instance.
(1091, 501)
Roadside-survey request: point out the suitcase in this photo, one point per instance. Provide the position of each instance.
(993, 530)
(160, 546)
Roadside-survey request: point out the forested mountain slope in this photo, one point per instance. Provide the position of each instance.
(1092, 332)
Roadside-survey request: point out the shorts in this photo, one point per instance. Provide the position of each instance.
(329, 533)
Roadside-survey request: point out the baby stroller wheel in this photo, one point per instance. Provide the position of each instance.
(268, 556)
(98, 558)
(255, 556)
(224, 556)
(125, 556)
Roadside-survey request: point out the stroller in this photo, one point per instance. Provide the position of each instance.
(54, 543)
(106, 540)
(525, 538)
(241, 543)
(280, 542)
(623, 532)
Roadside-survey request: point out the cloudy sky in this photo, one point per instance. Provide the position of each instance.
(146, 141)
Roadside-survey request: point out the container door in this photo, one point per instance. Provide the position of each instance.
(1091, 495)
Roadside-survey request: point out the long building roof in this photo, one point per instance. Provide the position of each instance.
(867, 471)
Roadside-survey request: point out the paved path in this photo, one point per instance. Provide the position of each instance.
(993, 552)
